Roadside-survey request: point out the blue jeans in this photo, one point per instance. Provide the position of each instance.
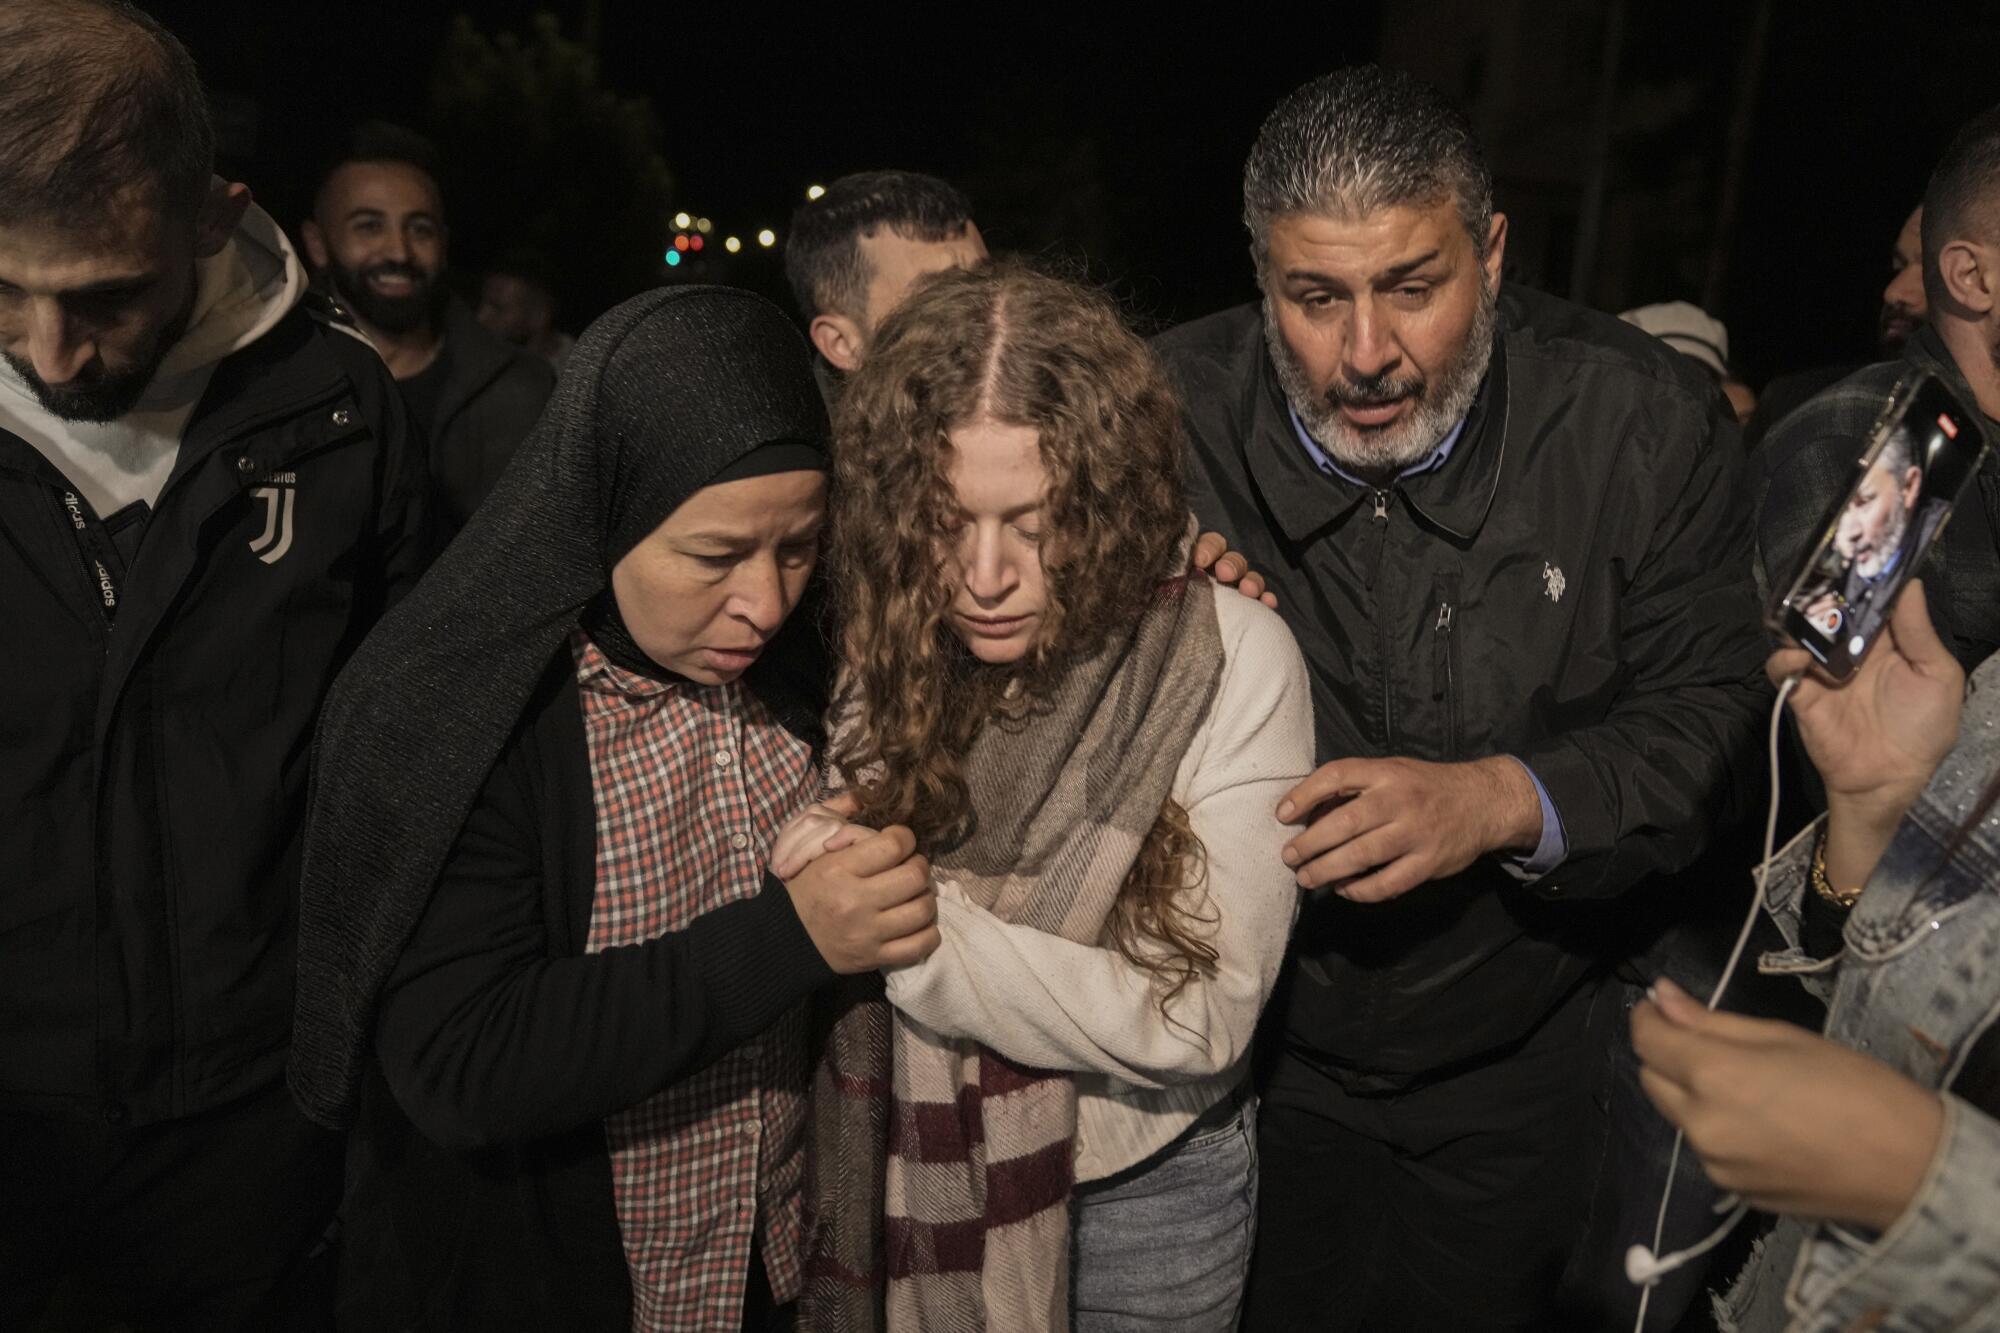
(1165, 1245)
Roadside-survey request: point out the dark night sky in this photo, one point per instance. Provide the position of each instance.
(1853, 105)
(756, 110)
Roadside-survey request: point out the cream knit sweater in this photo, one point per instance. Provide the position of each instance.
(1055, 1004)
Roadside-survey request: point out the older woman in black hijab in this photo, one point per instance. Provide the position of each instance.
(540, 959)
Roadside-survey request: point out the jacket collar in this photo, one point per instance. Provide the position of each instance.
(1306, 502)
(273, 378)
(477, 357)
(1926, 350)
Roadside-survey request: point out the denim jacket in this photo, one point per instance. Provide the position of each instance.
(1916, 985)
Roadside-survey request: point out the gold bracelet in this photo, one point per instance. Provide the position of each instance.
(1824, 886)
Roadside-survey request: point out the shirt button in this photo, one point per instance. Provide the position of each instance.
(739, 840)
(723, 759)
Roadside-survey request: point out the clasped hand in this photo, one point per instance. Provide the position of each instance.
(865, 898)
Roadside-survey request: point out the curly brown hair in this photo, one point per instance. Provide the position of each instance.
(1016, 347)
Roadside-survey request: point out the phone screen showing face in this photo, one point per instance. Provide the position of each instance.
(1924, 450)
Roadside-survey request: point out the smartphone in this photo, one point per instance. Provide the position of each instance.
(1924, 448)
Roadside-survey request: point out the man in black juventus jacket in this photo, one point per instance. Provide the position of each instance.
(207, 496)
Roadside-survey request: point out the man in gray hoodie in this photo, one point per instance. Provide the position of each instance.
(208, 494)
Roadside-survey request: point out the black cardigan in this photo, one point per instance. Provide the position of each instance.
(479, 1190)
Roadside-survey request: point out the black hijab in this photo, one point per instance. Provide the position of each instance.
(667, 393)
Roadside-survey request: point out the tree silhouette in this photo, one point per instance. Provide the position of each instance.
(541, 157)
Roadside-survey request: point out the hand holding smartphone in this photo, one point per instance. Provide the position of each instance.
(1924, 449)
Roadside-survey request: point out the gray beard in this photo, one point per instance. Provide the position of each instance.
(1441, 402)
(1892, 542)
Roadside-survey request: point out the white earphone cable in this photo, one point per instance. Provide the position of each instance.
(1646, 1266)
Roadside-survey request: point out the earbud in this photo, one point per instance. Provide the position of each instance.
(1643, 1268)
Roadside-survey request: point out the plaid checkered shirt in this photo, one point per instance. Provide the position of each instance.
(692, 784)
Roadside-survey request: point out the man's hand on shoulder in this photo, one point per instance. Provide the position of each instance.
(1377, 828)
(1230, 568)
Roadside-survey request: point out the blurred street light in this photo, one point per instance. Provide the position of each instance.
(815, 191)
(767, 238)
(704, 226)
(682, 220)
(732, 245)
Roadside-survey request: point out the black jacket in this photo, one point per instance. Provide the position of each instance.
(493, 392)
(1807, 465)
(479, 1186)
(153, 766)
(1571, 588)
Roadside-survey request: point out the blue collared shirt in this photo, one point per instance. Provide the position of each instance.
(1430, 462)
(1554, 846)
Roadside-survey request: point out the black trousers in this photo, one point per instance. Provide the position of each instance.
(1449, 1208)
(207, 1224)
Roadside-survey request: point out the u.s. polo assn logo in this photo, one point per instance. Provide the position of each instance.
(280, 500)
(1553, 581)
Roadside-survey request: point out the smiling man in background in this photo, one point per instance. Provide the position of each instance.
(378, 237)
(1507, 533)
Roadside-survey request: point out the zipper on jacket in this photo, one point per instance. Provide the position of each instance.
(1444, 686)
(1384, 654)
(95, 547)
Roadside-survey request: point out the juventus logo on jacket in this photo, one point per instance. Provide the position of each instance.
(279, 501)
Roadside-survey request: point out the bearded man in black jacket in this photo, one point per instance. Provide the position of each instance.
(1509, 535)
(377, 241)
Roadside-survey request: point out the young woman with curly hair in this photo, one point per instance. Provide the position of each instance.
(1047, 1120)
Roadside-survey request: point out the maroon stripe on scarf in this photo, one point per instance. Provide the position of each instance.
(1016, 1190)
(936, 1131)
(951, 1131)
(1173, 589)
(933, 1247)
(1020, 1187)
(999, 1076)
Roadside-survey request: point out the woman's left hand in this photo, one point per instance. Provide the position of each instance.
(1790, 1121)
